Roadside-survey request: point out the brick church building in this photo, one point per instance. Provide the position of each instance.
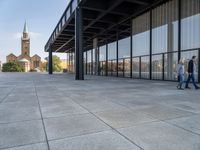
(29, 63)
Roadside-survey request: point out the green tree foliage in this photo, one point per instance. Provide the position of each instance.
(12, 67)
(56, 63)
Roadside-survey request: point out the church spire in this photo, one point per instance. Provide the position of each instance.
(25, 28)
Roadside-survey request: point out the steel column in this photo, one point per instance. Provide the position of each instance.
(179, 30)
(131, 51)
(50, 63)
(163, 66)
(79, 72)
(86, 63)
(150, 48)
(117, 53)
(140, 69)
(106, 58)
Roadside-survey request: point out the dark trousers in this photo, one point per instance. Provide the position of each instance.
(191, 76)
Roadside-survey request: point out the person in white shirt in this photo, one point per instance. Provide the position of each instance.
(181, 73)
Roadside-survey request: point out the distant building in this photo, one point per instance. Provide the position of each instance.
(29, 63)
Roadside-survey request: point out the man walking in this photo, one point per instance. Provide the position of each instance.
(191, 71)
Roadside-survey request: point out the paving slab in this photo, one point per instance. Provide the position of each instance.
(60, 109)
(189, 123)
(162, 112)
(107, 140)
(38, 146)
(124, 118)
(162, 136)
(62, 127)
(21, 133)
(12, 112)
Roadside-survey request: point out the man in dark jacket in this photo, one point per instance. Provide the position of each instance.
(191, 71)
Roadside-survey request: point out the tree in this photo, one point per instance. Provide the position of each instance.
(56, 63)
(12, 67)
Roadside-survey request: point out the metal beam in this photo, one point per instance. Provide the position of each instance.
(138, 2)
(79, 71)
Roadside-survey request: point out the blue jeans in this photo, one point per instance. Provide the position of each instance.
(191, 76)
(181, 80)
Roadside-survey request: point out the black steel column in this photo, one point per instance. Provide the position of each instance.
(79, 75)
(150, 53)
(86, 62)
(131, 52)
(163, 66)
(140, 69)
(117, 52)
(50, 63)
(98, 63)
(179, 30)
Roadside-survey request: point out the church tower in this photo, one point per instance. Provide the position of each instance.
(25, 42)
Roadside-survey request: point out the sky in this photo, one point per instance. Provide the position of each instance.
(41, 17)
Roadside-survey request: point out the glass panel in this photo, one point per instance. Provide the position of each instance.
(157, 67)
(124, 48)
(170, 62)
(89, 61)
(127, 67)
(145, 67)
(165, 27)
(103, 68)
(114, 68)
(112, 52)
(136, 67)
(190, 24)
(120, 68)
(85, 63)
(141, 35)
(110, 68)
(93, 61)
(102, 53)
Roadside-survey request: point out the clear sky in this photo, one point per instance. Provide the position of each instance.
(41, 16)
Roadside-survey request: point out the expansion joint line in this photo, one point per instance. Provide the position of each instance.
(46, 138)
(108, 125)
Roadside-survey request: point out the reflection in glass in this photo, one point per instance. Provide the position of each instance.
(145, 67)
(102, 53)
(120, 67)
(141, 35)
(127, 67)
(136, 67)
(165, 27)
(157, 67)
(170, 63)
(124, 48)
(112, 51)
(190, 24)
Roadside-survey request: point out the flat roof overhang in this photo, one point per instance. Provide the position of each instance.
(102, 19)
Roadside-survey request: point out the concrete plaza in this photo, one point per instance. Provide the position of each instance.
(41, 112)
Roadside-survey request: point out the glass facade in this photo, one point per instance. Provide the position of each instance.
(190, 24)
(159, 38)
